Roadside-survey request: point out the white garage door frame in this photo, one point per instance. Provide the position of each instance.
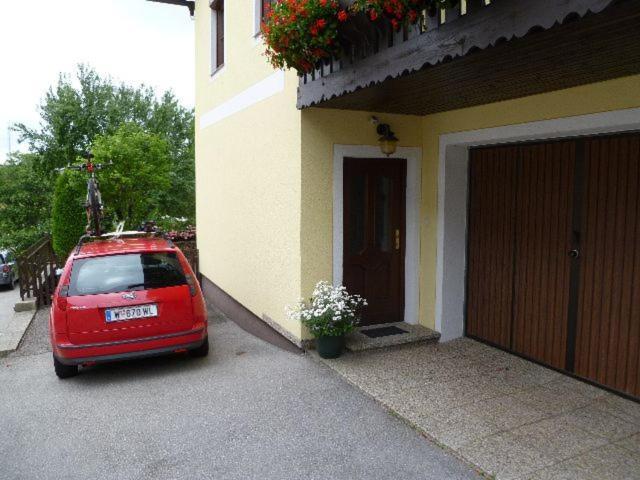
(453, 188)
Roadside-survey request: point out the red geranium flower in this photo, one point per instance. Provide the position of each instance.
(342, 16)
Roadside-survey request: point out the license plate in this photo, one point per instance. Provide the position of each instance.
(131, 313)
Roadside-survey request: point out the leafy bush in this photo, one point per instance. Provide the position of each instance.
(68, 217)
(25, 202)
(133, 186)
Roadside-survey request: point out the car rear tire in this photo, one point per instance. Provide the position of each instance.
(202, 350)
(64, 371)
(12, 283)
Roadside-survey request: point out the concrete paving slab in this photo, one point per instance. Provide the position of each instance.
(25, 306)
(504, 457)
(551, 401)
(595, 420)
(510, 417)
(359, 341)
(12, 324)
(610, 462)
(8, 299)
(13, 331)
(556, 438)
(621, 407)
(631, 443)
(572, 469)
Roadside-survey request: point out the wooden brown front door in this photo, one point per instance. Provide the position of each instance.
(374, 227)
(554, 255)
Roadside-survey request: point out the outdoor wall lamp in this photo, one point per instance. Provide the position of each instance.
(387, 139)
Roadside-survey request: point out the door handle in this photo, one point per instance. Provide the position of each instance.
(575, 253)
(397, 239)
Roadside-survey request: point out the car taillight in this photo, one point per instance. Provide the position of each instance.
(6, 268)
(192, 285)
(63, 293)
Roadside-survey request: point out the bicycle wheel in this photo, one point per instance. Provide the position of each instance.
(95, 207)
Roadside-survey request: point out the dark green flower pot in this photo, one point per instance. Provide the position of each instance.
(330, 347)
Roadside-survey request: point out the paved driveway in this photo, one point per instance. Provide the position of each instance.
(8, 299)
(248, 411)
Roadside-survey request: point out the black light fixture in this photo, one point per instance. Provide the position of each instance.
(387, 139)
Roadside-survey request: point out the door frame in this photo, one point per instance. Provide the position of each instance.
(451, 257)
(413, 157)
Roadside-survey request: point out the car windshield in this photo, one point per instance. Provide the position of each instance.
(118, 273)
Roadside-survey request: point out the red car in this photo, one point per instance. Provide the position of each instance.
(126, 298)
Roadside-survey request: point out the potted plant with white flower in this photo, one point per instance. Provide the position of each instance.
(329, 314)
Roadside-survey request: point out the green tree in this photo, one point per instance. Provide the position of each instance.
(77, 110)
(68, 217)
(25, 202)
(133, 187)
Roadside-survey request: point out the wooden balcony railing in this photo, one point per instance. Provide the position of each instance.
(362, 38)
(373, 52)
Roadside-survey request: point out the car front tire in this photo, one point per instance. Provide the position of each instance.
(64, 371)
(202, 350)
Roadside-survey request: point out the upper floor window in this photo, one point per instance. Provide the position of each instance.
(217, 34)
(265, 5)
(261, 8)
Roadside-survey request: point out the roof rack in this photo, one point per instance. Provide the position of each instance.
(115, 235)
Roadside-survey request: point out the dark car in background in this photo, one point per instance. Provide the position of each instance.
(8, 269)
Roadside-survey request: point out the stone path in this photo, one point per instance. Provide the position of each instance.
(512, 418)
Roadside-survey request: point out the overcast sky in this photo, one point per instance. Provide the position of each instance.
(134, 41)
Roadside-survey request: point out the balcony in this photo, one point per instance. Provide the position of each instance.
(480, 52)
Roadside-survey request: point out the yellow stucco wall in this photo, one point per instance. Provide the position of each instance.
(247, 173)
(264, 174)
(322, 128)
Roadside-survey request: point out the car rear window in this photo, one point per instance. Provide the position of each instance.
(118, 273)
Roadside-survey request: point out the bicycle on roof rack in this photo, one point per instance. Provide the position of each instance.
(93, 204)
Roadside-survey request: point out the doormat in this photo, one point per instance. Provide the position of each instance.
(383, 331)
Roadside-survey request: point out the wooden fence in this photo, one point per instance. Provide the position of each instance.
(37, 269)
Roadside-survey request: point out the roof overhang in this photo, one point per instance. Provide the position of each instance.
(190, 4)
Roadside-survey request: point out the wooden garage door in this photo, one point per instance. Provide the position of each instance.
(554, 255)
(608, 313)
(543, 213)
(491, 244)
